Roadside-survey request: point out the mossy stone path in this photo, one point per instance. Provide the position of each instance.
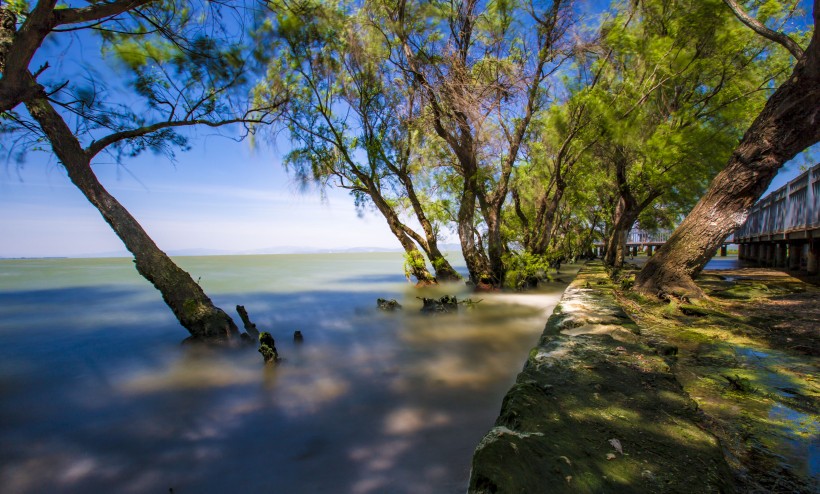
(597, 409)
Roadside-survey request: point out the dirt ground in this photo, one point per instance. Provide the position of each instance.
(626, 393)
(748, 356)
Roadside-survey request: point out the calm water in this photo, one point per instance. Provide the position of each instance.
(97, 395)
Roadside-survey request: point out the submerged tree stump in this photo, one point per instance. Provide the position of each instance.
(246, 321)
(267, 347)
(447, 303)
(388, 305)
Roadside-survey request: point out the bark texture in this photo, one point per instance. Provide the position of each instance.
(788, 124)
(477, 263)
(184, 296)
(627, 210)
(8, 23)
(626, 213)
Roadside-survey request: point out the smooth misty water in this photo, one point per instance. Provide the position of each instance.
(98, 395)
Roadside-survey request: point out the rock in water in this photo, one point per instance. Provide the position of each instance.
(297, 337)
(389, 305)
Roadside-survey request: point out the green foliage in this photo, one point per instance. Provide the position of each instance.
(524, 268)
(676, 85)
(175, 63)
(19, 7)
(413, 263)
(438, 263)
(267, 347)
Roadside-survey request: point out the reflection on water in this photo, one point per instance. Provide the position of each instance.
(723, 263)
(96, 394)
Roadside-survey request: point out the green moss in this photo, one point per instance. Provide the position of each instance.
(191, 308)
(267, 347)
(693, 310)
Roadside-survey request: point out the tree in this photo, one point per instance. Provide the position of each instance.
(680, 78)
(558, 144)
(788, 124)
(351, 119)
(482, 69)
(180, 70)
(18, 46)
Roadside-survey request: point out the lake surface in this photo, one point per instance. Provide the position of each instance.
(98, 395)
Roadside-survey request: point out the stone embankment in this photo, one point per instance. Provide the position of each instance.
(597, 408)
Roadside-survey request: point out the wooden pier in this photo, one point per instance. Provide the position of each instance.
(643, 241)
(783, 229)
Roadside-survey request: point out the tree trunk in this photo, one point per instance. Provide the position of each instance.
(615, 247)
(495, 247)
(415, 263)
(8, 27)
(788, 124)
(477, 264)
(546, 221)
(184, 296)
(444, 270)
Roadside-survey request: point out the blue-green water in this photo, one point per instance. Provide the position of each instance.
(98, 395)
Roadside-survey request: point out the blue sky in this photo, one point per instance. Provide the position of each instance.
(220, 196)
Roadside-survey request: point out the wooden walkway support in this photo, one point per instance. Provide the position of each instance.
(783, 229)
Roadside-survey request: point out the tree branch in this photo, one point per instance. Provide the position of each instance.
(96, 12)
(762, 30)
(97, 146)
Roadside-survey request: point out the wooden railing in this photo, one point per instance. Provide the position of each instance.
(641, 237)
(795, 207)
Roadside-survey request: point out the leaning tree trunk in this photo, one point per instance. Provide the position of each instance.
(547, 221)
(415, 263)
(788, 124)
(184, 296)
(443, 269)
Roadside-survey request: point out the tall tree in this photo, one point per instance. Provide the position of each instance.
(558, 143)
(184, 74)
(482, 68)
(679, 77)
(788, 124)
(351, 119)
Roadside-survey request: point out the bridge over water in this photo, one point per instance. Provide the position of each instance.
(783, 229)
